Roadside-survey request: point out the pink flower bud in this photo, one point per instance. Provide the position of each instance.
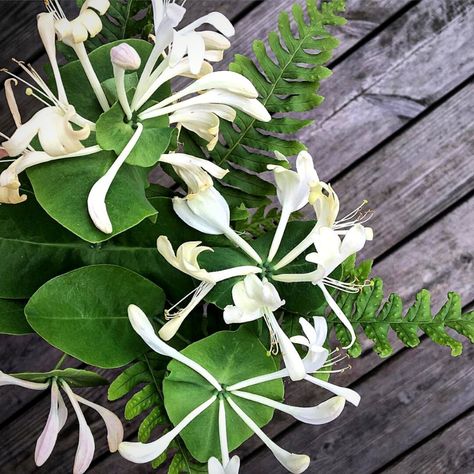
(125, 57)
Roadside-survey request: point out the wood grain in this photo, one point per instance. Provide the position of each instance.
(451, 450)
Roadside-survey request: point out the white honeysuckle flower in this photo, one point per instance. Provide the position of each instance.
(124, 58)
(9, 177)
(214, 466)
(75, 32)
(11, 102)
(96, 199)
(141, 453)
(320, 414)
(295, 463)
(53, 127)
(331, 252)
(314, 339)
(293, 190)
(326, 206)
(203, 124)
(195, 43)
(185, 260)
(254, 299)
(207, 211)
(10, 194)
(143, 327)
(57, 419)
(195, 172)
(216, 96)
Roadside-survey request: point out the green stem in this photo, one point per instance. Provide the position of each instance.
(60, 362)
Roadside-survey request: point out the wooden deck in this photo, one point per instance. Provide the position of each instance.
(397, 128)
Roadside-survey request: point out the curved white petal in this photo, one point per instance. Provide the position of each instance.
(96, 199)
(49, 435)
(62, 410)
(6, 379)
(350, 395)
(144, 329)
(295, 463)
(318, 415)
(185, 160)
(112, 423)
(86, 446)
(141, 453)
(180, 206)
(219, 21)
(215, 467)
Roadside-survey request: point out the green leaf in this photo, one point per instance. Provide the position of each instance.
(114, 132)
(33, 254)
(12, 318)
(62, 189)
(74, 377)
(110, 89)
(84, 313)
(231, 357)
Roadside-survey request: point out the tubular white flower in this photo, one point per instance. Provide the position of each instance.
(10, 194)
(318, 415)
(326, 206)
(188, 41)
(223, 434)
(208, 212)
(251, 107)
(194, 171)
(75, 32)
(9, 177)
(86, 445)
(350, 395)
(293, 189)
(124, 58)
(144, 329)
(295, 463)
(315, 338)
(112, 423)
(203, 124)
(254, 299)
(56, 420)
(141, 453)
(46, 29)
(54, 130)
(6, 379)
(96, 200)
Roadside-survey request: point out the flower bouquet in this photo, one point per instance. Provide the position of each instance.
(157, 246)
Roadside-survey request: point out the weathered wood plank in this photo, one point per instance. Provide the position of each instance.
(391, 80)
(451, 451)
(439, 259)
(423, 384)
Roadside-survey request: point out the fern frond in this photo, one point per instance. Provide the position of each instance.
(287, 75)
(367, 311)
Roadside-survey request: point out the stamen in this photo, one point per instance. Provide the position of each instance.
(6, 71)
(354, 212)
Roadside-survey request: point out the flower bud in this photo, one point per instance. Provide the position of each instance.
(125, 57)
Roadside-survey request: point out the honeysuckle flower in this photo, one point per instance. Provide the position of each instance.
(331, 252)
(96, 199)
(186, 260)
(195, 172)
(254, 299)
(314, 338)
(296, 463)
(293, 190)
(123, 58)
(326, 206)
(57, 418)
(9, 177)
(75, 32)
(207, 211)
(10, 194)
(54, 130)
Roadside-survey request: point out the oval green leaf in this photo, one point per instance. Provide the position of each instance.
(84, 313)
(74, 377)
(231, 357)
